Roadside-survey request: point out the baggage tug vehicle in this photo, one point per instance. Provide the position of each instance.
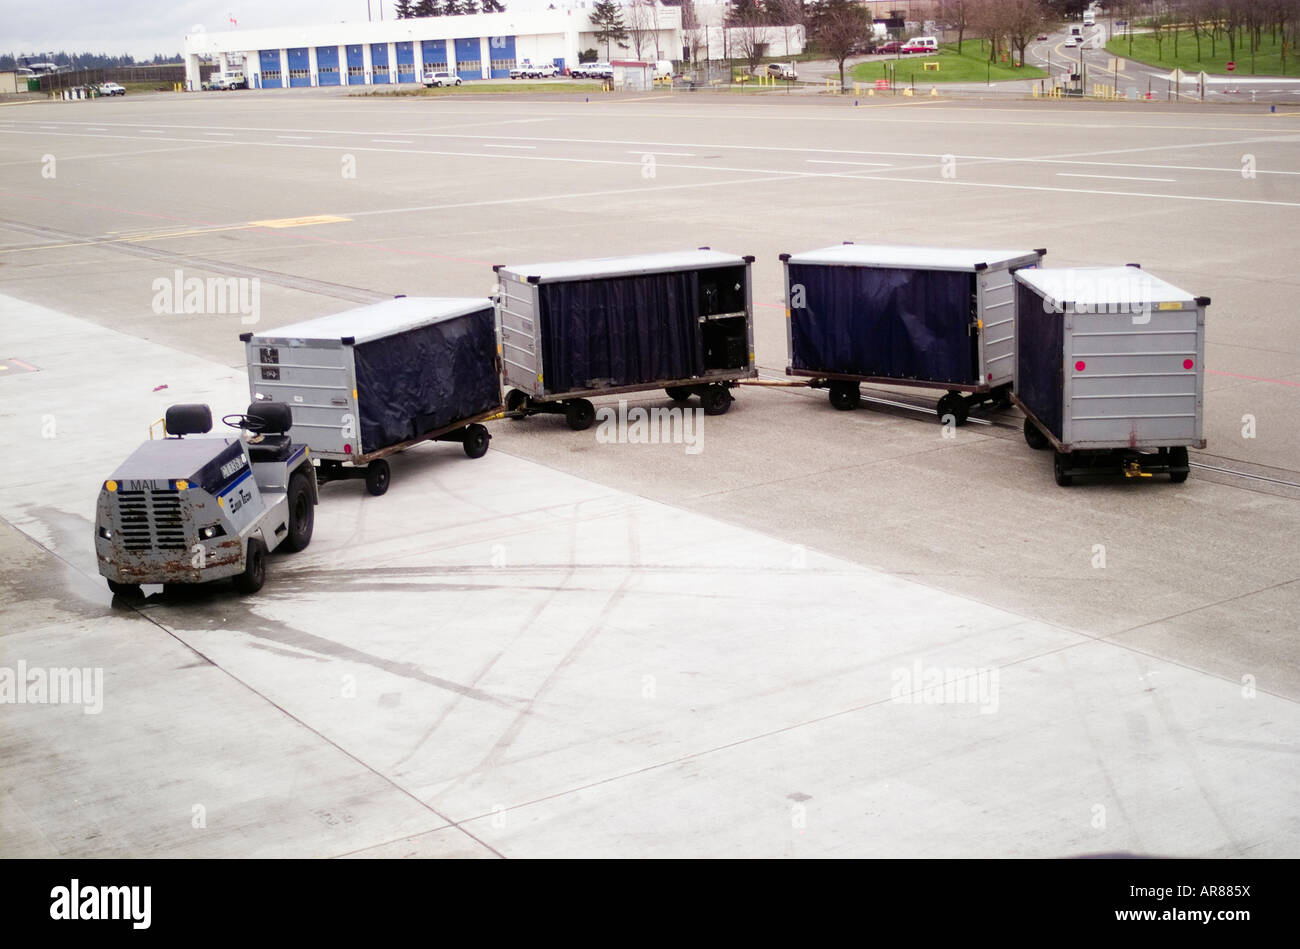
(192, 510)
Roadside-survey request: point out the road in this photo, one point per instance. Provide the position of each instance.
(570, 647)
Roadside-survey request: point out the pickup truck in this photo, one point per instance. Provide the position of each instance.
(230, 80)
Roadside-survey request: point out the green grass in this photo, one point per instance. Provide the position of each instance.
(971, 65)
(1268, 58)
(491, 88)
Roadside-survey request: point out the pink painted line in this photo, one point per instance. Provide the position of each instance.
(1237, 375)
(19, 362)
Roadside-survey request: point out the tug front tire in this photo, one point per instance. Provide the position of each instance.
(254, 575)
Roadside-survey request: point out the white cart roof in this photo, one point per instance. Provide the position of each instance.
(378, 320)
(623, 266)
(1101, 286)
(921, 258)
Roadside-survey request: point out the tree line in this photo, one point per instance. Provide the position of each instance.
(412, 10)
(85, 60)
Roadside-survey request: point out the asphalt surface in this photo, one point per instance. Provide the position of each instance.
(1194, 608)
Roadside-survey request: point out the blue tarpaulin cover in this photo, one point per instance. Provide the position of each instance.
(884, 322)
(621, 331)
(1040, 358)
(426, 378)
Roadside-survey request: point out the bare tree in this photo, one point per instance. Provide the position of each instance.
(640, 25)
(1021, 20)
(747, 25)
(692, 30)
(956, 13)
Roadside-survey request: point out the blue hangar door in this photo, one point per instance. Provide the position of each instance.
(435, 55)
(356, 66)
(327, 65)
(379, 61)
(502, 50)
(469, 60)
(406, 62)
(299, 67)
(269, 60)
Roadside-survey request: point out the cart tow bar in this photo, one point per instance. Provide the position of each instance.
(1134, 470)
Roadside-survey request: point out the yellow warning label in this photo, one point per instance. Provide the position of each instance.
(1170, 306)
(300, 221)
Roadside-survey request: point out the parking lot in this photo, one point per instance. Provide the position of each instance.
(578, 648)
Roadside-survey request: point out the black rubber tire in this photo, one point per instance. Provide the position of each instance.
(1001, 398)
(1178, 458)
(1060, 460)
(516, 400)
(954, 405)
(476, 440)
(130, 590)
(254, 575)
(302, 514)
(845, 396)
(679, 393)
(716, 399)
(1035, 438)
(377, 477)
(579, 414)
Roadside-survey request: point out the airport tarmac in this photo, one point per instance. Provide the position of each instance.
(577, 648)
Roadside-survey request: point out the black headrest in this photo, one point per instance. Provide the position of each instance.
(275, 417)
(190, 418)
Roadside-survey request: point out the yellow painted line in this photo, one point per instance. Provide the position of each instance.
(128, 240)
(300, 221)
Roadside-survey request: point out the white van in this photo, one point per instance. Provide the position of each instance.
(921, 44)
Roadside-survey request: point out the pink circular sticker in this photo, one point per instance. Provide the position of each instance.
(1188, 364)
(1080, 366)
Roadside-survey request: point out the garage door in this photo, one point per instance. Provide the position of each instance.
(327, 65)
(269, 60)
(356, 66)
(406, 62)
(299, 67)
(502, 49)
(435, 55)
(469, 60)
(379, 61)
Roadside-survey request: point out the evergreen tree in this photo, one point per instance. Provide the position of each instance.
(403, 9)
(493, 6)
(607, 18)
(423, 8)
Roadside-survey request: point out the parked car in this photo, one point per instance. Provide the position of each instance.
(597, 71)
(440, 79)
(893, 46)
(1042, 37)
(111, 89)
(782, 71)
(229, 80)
(530, 71)
(921, 44)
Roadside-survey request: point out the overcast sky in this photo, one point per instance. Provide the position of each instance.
(145, 27)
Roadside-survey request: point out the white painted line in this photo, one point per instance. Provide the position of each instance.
(152, 132)
(509, 146)
(392, 141)
(96, 130)
(826, 161)
(1066, 174)
(218, 133)
(305, 138)
(651, 151)
(49, 126)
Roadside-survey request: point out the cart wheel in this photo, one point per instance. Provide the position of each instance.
(377, 477)
(954, 405)
(1002, 398)
(254, 575)
(131, 590)
(328, 471)
(1059, 463)
(845, 396)
(302, 514)
(715, 399)
(516, 400)
(579, 414)
(679, 393)
(1035, 438)
(1178, 459)
(476, 441)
